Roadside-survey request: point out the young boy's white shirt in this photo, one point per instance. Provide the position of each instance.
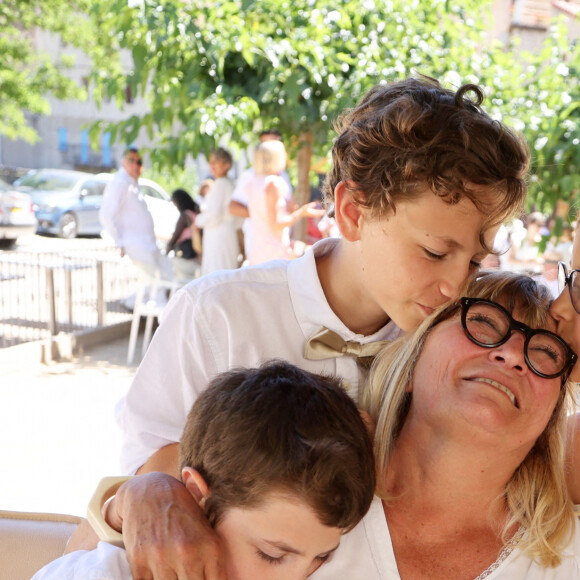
(366, 552)
(239, 318)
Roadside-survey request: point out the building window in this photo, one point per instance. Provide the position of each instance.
(531, 13)
(62, 139)
(106, 146)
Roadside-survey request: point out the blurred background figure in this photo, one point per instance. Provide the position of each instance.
(126, 218)
(220, 238)
(524, 252)
(239, 201)
(204, 187)
(549, 275)
(267, 194)
(185, 261)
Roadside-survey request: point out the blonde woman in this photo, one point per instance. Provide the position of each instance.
(267, 195)
(470, 412)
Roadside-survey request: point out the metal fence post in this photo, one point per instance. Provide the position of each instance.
(51, 301)
(100, 295)
(68, 294)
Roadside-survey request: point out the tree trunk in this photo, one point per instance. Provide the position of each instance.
(302, 196)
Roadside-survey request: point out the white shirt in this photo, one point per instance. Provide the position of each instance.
(237, 318)
(364, 553)
(220, 239)
(367, 552)
(125, 215)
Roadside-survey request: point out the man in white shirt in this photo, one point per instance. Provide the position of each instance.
(126, 217)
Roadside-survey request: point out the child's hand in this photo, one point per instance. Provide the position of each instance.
(313, 210)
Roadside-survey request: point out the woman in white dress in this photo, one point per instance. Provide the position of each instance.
(220, 239)
(267, 195)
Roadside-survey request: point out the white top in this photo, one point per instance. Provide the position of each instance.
(239, 195)
(124, 213)
(228, 319)
(365, 553)
(240, 189)
(220, 239)
(267, 244)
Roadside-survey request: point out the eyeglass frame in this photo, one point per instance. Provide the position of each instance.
(567, 282)
(137, 161)
(571, 357)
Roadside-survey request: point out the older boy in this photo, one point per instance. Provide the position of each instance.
(422, 178)
(282, 465)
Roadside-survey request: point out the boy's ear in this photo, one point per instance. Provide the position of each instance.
(195, 484)
(347, 211)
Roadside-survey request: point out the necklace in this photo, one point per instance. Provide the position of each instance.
(505, 552)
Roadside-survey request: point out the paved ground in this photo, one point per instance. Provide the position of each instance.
(57, 428)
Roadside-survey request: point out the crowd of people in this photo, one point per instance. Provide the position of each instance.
(228, 225)
(465, 380)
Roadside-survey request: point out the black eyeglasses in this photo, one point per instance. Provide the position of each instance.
(137, 161)
(490, 325)
(571, 280)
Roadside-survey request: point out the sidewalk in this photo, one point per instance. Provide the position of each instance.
(58, 430)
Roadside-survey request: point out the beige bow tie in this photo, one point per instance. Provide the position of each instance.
(325, 343)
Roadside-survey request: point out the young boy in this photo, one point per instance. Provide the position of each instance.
(422, 178)
(282, 465)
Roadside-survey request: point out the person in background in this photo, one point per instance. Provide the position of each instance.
(266, 194)
(239, 201)
(524, 251)
(180, 241)
(186, 259)
(127, 219)
(220, 238)
(279, 460)
(204, 187)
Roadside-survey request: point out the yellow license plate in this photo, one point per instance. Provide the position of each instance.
(16, 209)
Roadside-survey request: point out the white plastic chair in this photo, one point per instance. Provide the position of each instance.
(149, 304)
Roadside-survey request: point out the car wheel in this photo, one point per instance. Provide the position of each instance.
(68, 226)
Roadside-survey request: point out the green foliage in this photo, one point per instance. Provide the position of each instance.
(27, 77)
(224, 69)
(214, 69)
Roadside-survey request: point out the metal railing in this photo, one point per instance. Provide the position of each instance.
(44, 294)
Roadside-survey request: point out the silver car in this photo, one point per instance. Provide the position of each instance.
(16, 215)
(67, 202)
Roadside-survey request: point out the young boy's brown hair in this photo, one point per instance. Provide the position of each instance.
(412, 136)
(280, 428)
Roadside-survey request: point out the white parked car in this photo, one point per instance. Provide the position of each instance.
(16, 215)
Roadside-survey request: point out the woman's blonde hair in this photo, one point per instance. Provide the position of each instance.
(269, 158)
(536, 495)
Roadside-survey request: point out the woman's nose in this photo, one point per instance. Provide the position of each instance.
(511, 352)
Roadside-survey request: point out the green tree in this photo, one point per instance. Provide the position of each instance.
(27, 77)
(213, 69)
